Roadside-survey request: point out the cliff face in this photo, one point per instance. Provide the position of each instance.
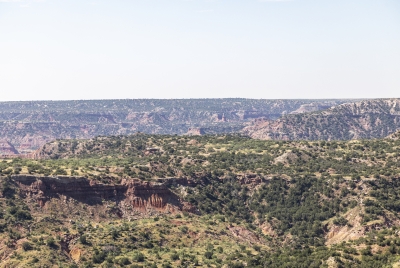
(359, 120)
(130, 197)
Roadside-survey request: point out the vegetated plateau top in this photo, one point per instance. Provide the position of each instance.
(151, 104)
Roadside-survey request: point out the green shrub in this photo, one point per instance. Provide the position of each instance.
(99, 257)
(208, 254)
(175, 256)
(26, 246)
(139, 257)
(123, 261)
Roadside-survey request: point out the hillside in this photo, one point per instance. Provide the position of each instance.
(360, 120)
(29, 125)
(208, 201)
(394, 136)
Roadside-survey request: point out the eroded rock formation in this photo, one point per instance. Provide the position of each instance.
(356, 120)
(131, 196)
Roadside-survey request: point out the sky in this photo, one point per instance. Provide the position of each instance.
(77, 49)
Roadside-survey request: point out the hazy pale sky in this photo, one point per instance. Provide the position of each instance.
(81, 49)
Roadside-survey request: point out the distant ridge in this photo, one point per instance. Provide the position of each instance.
(30, 124)
(359, 120)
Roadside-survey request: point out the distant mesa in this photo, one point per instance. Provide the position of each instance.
(7, 148)
(195, 131)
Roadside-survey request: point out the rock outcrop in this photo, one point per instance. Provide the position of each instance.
(131, 196)
(195, 131)
(311, 107)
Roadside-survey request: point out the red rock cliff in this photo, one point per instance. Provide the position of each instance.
(131, 195)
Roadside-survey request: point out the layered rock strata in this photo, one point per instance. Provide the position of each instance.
(130, 196)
